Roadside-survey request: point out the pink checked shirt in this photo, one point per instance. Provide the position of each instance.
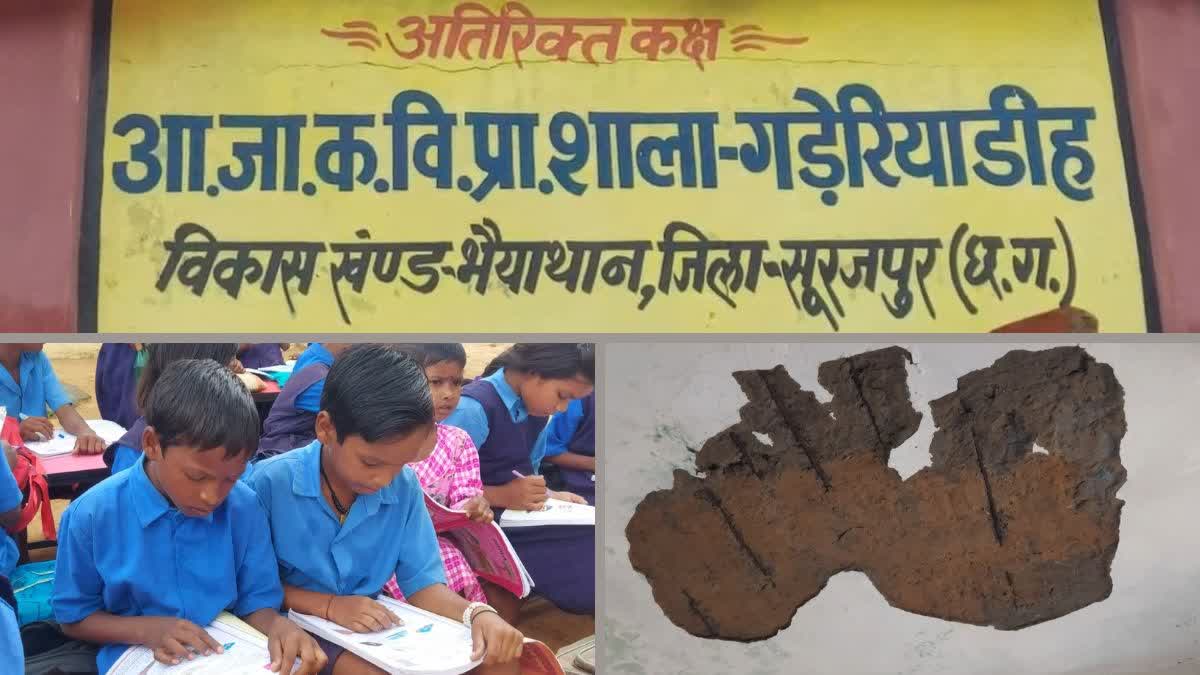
(451, 477)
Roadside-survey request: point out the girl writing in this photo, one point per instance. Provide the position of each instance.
(505, 413)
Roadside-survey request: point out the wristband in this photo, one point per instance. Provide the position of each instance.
(470, 612)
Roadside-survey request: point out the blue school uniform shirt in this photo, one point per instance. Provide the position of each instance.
(560, 430)
(472, 418)
(385, 533)
(10, 498)
(123, 549)
(39, 387)
(124, 457)
(310, 399)
(11, 651)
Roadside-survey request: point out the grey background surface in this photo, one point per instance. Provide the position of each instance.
(659, 398)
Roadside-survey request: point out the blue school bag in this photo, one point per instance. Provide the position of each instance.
(33, 585)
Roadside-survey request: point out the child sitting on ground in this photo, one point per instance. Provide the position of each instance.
(152, 555)
(347, 514)
(505, 413)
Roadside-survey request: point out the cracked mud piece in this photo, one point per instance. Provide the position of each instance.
(991, 533)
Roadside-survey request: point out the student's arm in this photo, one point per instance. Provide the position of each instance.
(465, 489)
(465, 483)
(492, 637)
(260, 592)
(571, 460)
(559, 433)
(527, 493)
(171, 639)
(37, 427)
(421, 576)
(86, 440)
(471, 418)
(287, 642)
(356, 612)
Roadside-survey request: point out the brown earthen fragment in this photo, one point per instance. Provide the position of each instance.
(991, 533)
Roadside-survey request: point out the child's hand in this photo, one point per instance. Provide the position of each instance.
(568, 497)
(361, 614)
(236, 366)
(529, 493)
(32, 426)
(89, 444)
(288, 642)
(494, 639)
(174, 640)
(478, 509)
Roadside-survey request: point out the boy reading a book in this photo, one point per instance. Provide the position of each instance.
(126, 451)
(153, 554)
(346, 513)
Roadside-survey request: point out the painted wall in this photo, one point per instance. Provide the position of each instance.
(1159, 41)
(664, 397)
(44, 56)
(44, 64)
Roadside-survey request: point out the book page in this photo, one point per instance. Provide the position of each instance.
(62, 443)
(245, 654)
(484, 546)
(554, 512)
(426, 644)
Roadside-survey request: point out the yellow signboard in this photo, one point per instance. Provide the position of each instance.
(576, 166)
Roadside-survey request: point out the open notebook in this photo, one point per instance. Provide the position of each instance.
(63, 443)
(245, 654)
(427, 644)
(554, 512)
(417, 650)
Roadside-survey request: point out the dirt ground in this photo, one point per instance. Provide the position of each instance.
(75, 365)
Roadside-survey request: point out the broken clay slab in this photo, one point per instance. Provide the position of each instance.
(991, 533)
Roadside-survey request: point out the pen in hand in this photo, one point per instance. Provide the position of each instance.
(521, 476)
(40, 436)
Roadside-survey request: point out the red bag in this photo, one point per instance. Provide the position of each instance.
(31, 479)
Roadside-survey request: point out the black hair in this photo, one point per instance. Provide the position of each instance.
(201, 403)
(552, 361)
(159, 356)
(377, 392)
(429, 353)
